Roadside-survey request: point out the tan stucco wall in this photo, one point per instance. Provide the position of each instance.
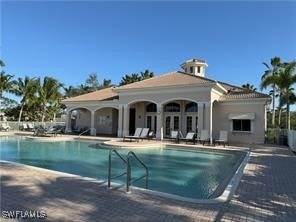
(106, 121)
(162, 97)
(83, 119)
(221, 121)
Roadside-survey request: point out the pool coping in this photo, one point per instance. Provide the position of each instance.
(224, 197)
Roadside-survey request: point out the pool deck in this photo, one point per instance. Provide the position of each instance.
(267, 192)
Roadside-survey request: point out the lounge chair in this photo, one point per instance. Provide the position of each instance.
(5, 126)
(151, 135)
(189, 137)
(223, 138)
(204, 137)
(24, 127)
(30, 127)
(136, 135)
(176, 135)
(144, 133)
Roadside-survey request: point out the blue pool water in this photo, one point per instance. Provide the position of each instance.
(189, 174)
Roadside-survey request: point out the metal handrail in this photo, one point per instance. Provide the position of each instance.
(128, 178)
(83, 132)
(110, 166)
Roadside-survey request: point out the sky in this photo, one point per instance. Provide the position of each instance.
(71, 39)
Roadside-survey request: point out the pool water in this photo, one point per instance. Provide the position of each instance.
(191, 174)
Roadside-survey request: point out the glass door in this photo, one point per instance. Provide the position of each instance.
(172, 122)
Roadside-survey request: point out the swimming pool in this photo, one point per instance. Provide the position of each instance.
(190, 174)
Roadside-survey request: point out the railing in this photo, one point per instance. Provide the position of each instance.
(85, 131)
(129, 180)
(110, 167)
(292, 139)
(128, 171)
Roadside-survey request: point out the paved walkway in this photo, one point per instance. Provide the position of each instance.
(267, 192)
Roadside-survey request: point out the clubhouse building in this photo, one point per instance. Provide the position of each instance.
(181, 100)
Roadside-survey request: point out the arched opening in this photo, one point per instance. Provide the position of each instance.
(172, 107)
(180, 115)
(106, 121)
(142, 114)
(80, 120)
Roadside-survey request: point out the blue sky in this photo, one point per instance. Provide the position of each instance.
(69, 40)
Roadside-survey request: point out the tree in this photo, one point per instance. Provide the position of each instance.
(92, 82)
(2, 64)
(48, 94)
(106, 83)
(26, 89)
(248, 87)
(134, 77)
(285, 79)
(146, 74)
(268, 79)
(6, 83)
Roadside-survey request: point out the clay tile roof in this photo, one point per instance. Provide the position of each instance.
(244, 95)
(100, 95)
(170, 79)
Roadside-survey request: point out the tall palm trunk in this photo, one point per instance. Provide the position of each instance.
(288, 115)
(21, 113)
(279, 118)
(273, 106)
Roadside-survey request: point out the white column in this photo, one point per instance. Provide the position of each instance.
(92, 124)
(125, 120)
(209, 119)
(159, 122)
(120, 128)
(68, 122)
(200, 117)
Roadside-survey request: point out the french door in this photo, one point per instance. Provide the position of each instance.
(151, 121)
(172, 122)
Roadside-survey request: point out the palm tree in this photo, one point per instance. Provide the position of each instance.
(146, 74)
(92, 82)
(285, 80)
(248, 87)
(49, 93)
(6, 83)
(2, 64)
(268, 79)
(26, 89)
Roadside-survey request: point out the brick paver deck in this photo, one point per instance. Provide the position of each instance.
(267, 192)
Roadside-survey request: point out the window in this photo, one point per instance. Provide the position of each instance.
(151, 107)
(172, 107)
(241, 125)
(191, 107)
(189, 124)
(176, 122)
(198, 69)
(149, 122)
(191, 69)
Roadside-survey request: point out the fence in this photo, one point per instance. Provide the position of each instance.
(14, 125)
(276, 136)
(292, 139)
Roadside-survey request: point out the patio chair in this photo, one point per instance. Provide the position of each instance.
(144, 133)
(204, 137)
(176, 135)
(223, 138)
(24, 127)
(30, 127)
(151, 135)
(136, 135)
(189, 137)
(4, 126)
